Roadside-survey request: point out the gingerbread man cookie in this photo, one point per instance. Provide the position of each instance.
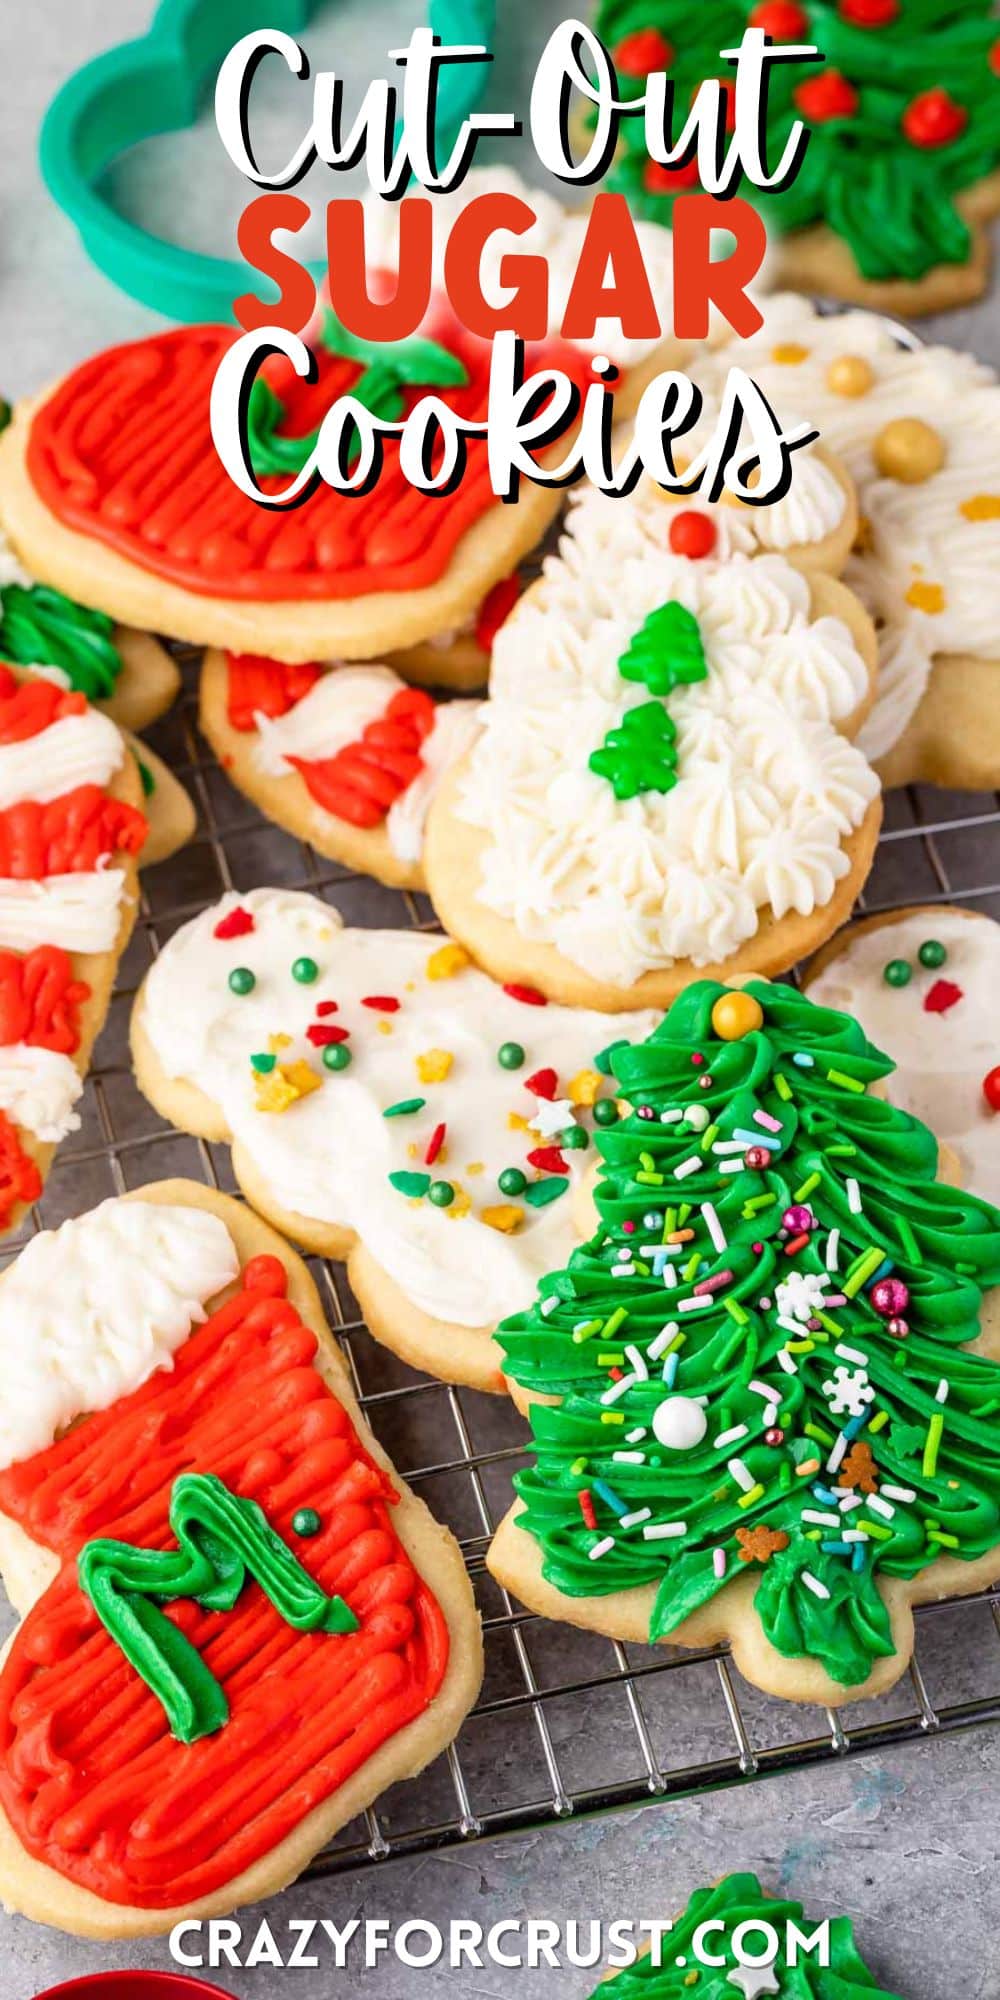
(902, 166)
(227, 1595)
(767, 1380)
(923, 984)
(664, 780)
(386, 1103)
(916, 427)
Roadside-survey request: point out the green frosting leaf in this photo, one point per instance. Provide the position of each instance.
(388, 367)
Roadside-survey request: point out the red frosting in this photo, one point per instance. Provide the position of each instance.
(90, 1777)
(364, 779)
(20, 1179)
(28, 707)
(70, 835)
(40, 999)
(264, 687)
(123, 453)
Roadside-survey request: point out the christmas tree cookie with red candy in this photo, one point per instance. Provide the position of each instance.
(763, 1394)
(387, 1104)
(923, 984)
(916, 428)
(664, 780)
(347, 758)
(902, 166)
(72, 828)
(238, 1626)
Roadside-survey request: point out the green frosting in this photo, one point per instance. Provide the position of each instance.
(388, 368)
(223, 1540)
(735, 1900)
(40, 627)
(891, 200)
(785, 1354)
(640, 754)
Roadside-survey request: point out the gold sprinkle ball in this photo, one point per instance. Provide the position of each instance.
(850, 375)
(909, 450)
(735, 1015)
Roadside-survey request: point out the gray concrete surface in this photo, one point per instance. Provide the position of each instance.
(907, 1841)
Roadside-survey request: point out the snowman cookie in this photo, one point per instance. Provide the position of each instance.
(386, 1103)
(665, 780)
(923, 983)
(226, 1592)
(917, 429)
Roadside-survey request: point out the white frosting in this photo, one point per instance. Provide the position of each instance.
(91, 1310)
(767, 790)
(557, 235)
(918, 533)
(941, 1058)
(38, 1090)
(85, 749)
(329, 1155)
(335, 712)
(79, 912)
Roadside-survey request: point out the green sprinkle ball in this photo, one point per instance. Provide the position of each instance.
(263, 1064)
(510, 1055)
(898, 972)
(575, 1139)
(441, 1193)
(305, 970)
(512, 1181)
(336, 1055)
(932, 954)
(605, 1111)
(306, 1522)
(242, 980)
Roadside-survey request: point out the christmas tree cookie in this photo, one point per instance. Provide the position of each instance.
(763, 1395)
(923, 984)
(902, 166)
(916, 427)
(238, 1626)
(708, 1953)
(387, 1104)
(665, 779)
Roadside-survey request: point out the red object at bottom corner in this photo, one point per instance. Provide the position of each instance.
(134, 1986)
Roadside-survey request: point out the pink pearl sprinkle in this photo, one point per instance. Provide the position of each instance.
(627, 1228)
(697, 1060)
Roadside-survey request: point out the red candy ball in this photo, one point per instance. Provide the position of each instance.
(645, 50)
(797, 1219)
(890, 1297)
(692, 534)
(774, 1436)
(934, 119)
(780, 19)
(757, 1157)
(994, 58)
(868, 13)
(991, 1088)
(828, 95)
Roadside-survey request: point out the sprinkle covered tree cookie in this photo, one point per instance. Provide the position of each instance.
(917, 429)
(237, 1623)
(386, 1103)
(902, 167)
(923, 984)
(726, 1935)
(763, 1395)
(665, 779)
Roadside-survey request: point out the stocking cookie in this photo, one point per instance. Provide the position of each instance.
(226, 1592)
(386, 1103)
(664, 780)
(347, 758)
(707, 1939)
(774, 1364)
(71, 830)
(923, 984)
(916, 429)
(902, 166)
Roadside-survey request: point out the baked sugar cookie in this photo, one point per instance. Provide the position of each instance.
(917, 429)
(664, 780)
(237, 1623)
(902, 167)
(347, 758)
(738, 1939)
(774, 1365)
(923, 984)
(169, 809)
(128, 674)
(386, 1104)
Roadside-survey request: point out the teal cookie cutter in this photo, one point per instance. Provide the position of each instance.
(157, 84)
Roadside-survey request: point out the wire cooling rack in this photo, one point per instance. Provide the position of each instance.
(568, 1723)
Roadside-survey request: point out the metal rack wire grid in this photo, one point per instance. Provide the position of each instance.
(567, 1723)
